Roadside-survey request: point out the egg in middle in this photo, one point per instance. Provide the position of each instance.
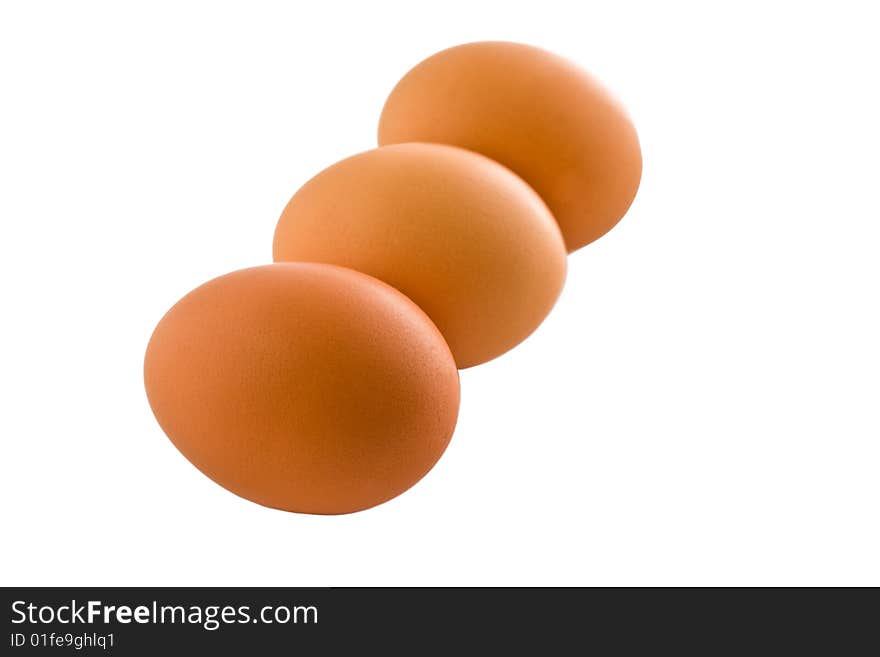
(462, 236)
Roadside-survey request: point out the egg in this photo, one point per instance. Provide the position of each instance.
(534, 112)
(462, 236)
(303, 387)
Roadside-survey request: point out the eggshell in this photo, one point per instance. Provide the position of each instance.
(534, 112)
(303, 387)
(471, 243)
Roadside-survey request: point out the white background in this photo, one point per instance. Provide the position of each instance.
(700, 408)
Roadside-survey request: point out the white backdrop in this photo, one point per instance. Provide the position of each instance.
(700, 408)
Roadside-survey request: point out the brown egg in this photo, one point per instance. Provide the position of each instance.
(303, 387)
(534, 112)
(467, 240)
